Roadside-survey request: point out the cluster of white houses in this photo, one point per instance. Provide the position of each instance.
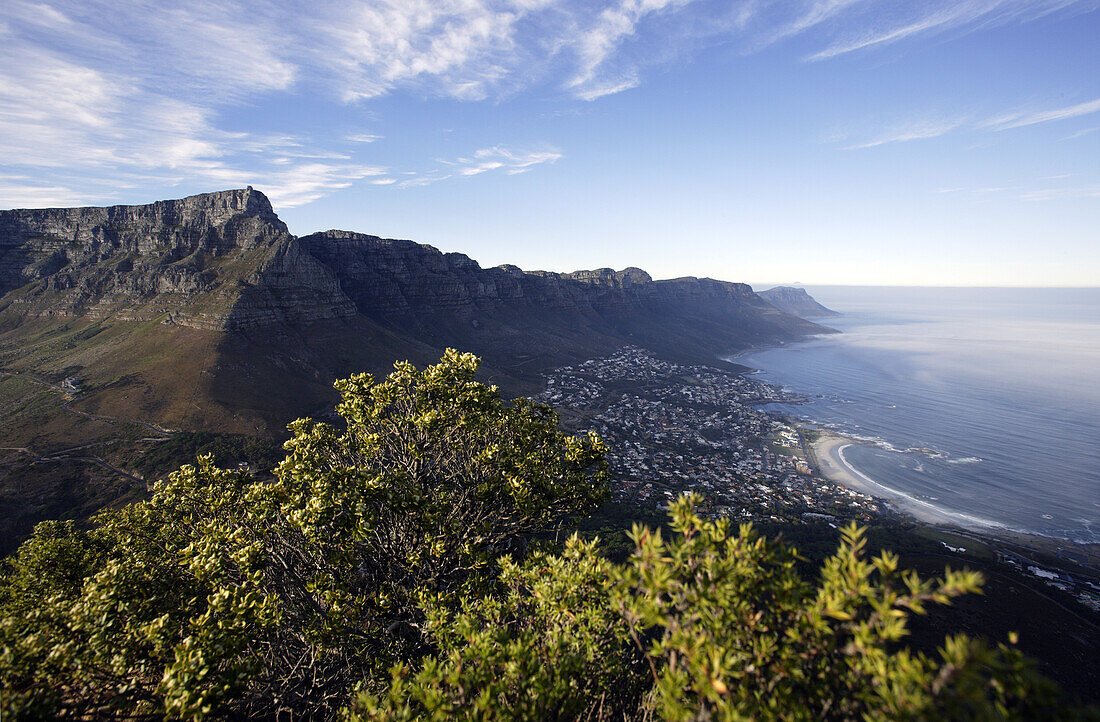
(671, 428)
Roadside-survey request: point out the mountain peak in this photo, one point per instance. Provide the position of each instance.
(796, 302)
(206, 260)
(219, 206)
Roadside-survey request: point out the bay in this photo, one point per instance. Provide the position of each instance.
(983, 402)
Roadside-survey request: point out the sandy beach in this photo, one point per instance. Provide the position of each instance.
(828, 456)
(828, 453)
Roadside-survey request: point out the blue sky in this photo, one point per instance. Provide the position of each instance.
(815, 141)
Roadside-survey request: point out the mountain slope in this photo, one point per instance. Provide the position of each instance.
(207, 311)
(206, 314)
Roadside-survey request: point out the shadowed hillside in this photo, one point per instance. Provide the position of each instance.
(193, 312)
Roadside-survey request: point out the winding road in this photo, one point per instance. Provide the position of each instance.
(63, 455)
(76, 412)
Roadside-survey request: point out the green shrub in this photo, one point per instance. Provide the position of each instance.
(224, 596)
(710, 625)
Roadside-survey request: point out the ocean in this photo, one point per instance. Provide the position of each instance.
(984, 403)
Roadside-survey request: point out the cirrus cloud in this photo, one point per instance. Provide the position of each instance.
(99, 95)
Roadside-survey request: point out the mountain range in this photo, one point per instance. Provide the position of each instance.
(191, 312)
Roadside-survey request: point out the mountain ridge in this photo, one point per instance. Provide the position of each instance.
(101, 293)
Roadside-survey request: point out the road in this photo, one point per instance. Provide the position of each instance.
(66, 405)
(64, 454)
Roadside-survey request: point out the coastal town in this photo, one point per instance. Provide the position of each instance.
(673, 428)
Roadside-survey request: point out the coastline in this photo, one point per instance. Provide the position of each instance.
(827, 456)
(828, 453)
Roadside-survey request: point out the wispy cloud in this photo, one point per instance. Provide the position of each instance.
(815, 13)
(97, 89)
(485, 160)
(1064, 193)
(934, 16)
(935, 21)
(460, 48)
(598, 43)
(1021, 119)
(363, 138)
(23, 192)
(1081, 133)
(988, 190)
(77, 120)
(497, 158)
(104, 95)
(189, 46)
(118, 92)
(305, 183)
(1004, 121)
(911, 131)
(423, 180)
(1034, 191)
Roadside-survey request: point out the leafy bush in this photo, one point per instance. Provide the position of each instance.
(223, 596)
(709, 625)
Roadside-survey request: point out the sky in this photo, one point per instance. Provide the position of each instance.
(815, 141)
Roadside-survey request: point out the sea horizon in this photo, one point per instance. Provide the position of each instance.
(825, 287)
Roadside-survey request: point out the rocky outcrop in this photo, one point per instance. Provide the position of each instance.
(610, 277)
(796, 302)
(215, 260)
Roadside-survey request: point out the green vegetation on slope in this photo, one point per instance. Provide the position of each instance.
(385, 573)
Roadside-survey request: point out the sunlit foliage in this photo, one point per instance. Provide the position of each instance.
(226, 596)
(712, 624)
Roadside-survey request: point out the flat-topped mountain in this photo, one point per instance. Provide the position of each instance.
(214, 261)
(192, 311)
(796, 302)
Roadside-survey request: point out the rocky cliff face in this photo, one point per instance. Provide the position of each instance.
(216, 260)
(405, 278)
(796, 302)
(447, 299)
(391, 277)
(224, 261)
